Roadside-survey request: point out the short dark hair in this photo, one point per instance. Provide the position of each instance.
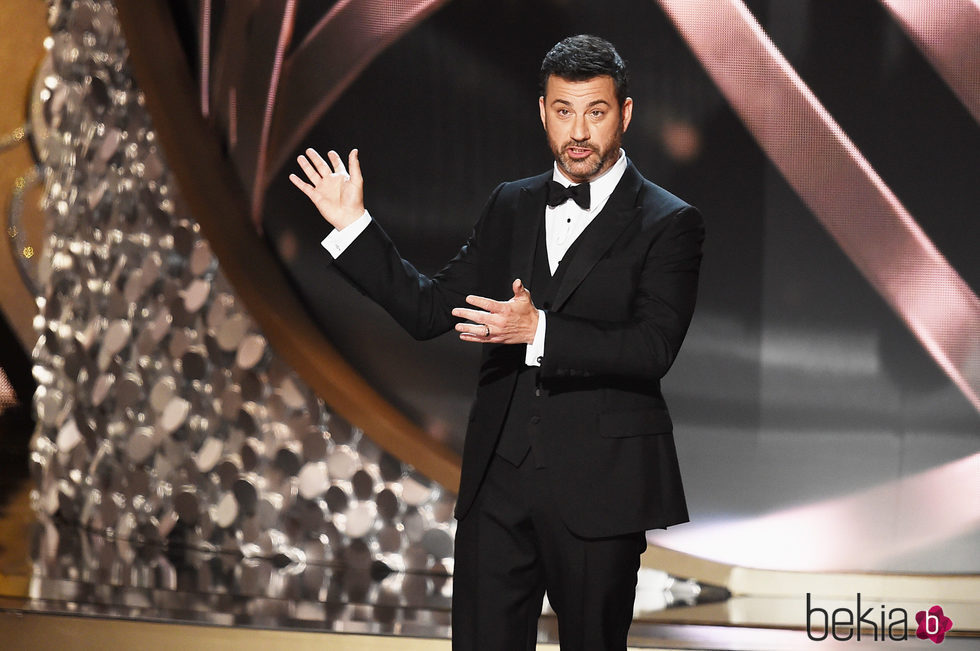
(582, 57)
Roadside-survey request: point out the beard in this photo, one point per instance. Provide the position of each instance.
(586, 169)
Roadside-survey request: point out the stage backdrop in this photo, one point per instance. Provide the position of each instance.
(820, 425)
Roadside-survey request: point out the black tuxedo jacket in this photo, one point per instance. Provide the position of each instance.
(614, 328)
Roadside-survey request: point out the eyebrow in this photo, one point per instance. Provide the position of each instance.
(565, 102)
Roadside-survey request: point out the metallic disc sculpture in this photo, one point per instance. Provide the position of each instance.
(164, 416)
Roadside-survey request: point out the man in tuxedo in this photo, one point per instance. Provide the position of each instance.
(579, 284)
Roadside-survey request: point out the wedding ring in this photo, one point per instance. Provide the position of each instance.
(488, 330)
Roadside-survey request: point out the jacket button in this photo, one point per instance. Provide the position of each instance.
(537, 392)
(535, 420)
(540, 358)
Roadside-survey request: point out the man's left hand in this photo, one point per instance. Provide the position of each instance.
(499, 322)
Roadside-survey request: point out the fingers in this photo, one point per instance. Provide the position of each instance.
(477, 316)
(302, 185)
(323, 169)
(472, 329)
(338, 197)
(477, 330)
(354, 160)
(480, 333)
(520, 291)
(337, 163)
(321, 165)
(311, 172)
(485, 303)
(510, 322)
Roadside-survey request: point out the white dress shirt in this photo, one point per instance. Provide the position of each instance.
(563, 225)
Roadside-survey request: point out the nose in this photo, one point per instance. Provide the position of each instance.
(580, 129)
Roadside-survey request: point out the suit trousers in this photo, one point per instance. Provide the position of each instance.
(512, 546)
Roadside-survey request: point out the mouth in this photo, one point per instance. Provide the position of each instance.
(578, 153)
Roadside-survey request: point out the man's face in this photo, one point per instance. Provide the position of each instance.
(585, 125)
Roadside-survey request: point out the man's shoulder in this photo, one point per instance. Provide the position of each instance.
(527, 183)
(507, 194)
(657, 204)
(654, 198)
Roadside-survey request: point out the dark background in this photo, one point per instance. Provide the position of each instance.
(797, 384)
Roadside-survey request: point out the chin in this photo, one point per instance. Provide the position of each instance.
(581, 170)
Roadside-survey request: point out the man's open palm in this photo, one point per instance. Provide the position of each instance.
(337, 194)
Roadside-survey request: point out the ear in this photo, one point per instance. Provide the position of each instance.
(627, 113)
(544, 122)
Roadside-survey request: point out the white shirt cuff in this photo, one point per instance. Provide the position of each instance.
(337, 241)
(535, 350)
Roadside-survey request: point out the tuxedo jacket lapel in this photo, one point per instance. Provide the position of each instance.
(595, 240)
(527, 224)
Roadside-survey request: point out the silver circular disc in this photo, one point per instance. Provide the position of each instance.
(68, 436)
(162, 392)
(196, 295)
(226, 511)
(209, 453)
(342, 463)
(389, 539)
(133, 288)
(250, 351)
(291, 395)
(100, 390)
(414, 493)
(187, 505)
(129, 391)
(140, 445)
(438, 543)
(174, 414)
(231, 332)
(116, 336)
(313, 480)
(361, 519)
(200, 258)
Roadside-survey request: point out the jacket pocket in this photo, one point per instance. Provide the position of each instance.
(636, 422)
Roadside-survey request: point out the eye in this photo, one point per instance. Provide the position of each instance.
(563, 112)
(596, 113)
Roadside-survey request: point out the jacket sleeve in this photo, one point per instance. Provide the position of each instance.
(421, 304)
(647, 343)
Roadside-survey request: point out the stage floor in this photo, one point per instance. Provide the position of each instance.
(62, 588)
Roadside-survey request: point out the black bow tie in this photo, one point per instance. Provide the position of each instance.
(559, 194)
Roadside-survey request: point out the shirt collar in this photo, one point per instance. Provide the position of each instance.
(603, 185)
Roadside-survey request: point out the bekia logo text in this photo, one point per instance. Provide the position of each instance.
(872, 623)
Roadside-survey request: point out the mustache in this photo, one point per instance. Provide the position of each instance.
(579, 144)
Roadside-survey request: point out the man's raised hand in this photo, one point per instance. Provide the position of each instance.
(338, 196)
